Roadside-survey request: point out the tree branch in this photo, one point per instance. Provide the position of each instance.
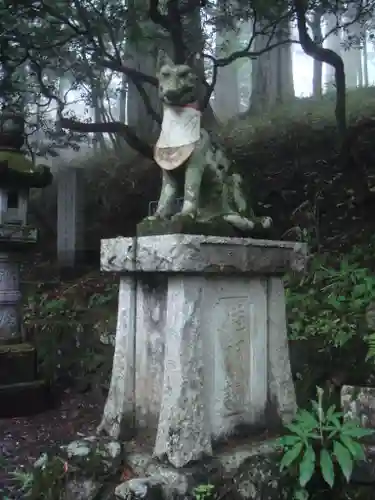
(326, 56)
(130, 72)
(361, 15)
(109, 128)
(244, 53)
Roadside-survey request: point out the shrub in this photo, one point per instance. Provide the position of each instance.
(329, 321)
(70, 326)
(321, 444)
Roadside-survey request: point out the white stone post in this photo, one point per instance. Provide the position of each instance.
(201, 344)
(70, 216)
(119, 410)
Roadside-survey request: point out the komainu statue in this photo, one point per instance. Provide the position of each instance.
(192, 165)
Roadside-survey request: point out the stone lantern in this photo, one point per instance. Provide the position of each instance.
(20, 391)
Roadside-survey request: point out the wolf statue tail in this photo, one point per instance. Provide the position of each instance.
(238, 218)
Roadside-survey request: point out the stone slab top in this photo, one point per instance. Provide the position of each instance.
(14, 234)
(187, 253)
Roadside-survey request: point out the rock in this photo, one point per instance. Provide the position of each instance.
(358, 403)
(176, 483)
(248, 472)
(94, 454)
(259, 478)
(81, 470)
(364, 472)
(145, 488)
(82, 489)
(254, 471)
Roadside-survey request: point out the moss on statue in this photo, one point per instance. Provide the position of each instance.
(16, 161)
(16, 348)
(20, 172)
(180, 224)
(185, 225)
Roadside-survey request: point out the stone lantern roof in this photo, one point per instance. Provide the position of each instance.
(17, 171)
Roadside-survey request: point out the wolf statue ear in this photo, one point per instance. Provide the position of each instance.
(163, 59)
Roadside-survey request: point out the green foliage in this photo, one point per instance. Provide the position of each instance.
(308, 118)
(71, 326)
(331, 301)
(46, 482)
(84, 39)
(24, 480)
(53, 471)
(329, 321)
(320, 442)
(204, 491)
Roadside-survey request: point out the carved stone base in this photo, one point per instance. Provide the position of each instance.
(10, 297)
(201, 345)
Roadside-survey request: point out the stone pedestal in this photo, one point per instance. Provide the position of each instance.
(201, 345)
(13, 241)
(20, 391)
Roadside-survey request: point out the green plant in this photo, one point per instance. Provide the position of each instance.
(24, 480)
(331, 301)
(204, 491)
(47, 481)
(335, 299)
(66, 324)
(321, 443)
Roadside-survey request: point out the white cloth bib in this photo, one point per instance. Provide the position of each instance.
(180, 126)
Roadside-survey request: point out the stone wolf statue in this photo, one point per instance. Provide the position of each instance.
(191, 164)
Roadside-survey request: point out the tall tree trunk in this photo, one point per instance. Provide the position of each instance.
(352, 56)
(138, 116)
(141, 100)
(316, 27)
(365, 62)
(244, 68)
(194, 40)
(360, 70)
(329, 57)
(226, 103)
(272, 73)
(332, 42)
(62, 88)
(122, 99)
(97, 103)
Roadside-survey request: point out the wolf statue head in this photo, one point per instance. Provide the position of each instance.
(178, 83)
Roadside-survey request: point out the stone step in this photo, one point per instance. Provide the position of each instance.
(25, 399)
(17, 363)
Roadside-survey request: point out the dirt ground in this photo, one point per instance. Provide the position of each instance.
(22, 440)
